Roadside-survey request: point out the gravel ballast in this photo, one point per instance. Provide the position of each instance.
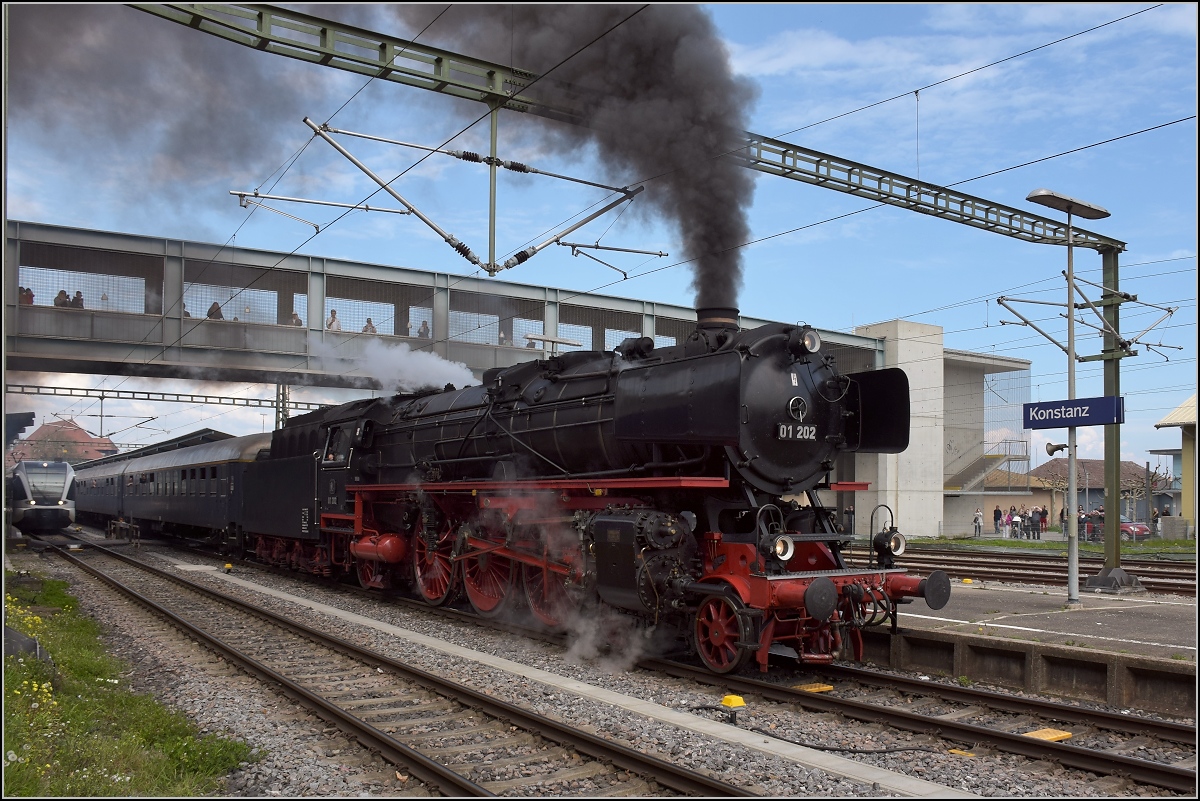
(300, 755)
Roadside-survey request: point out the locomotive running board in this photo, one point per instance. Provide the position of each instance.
(850, 571)
(650, 482)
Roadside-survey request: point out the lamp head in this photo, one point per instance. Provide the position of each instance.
(1069, 205)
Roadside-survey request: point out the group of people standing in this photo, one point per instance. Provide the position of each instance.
(1015, 523)
(62, 300)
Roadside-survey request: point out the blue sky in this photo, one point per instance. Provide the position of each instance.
(152, 151)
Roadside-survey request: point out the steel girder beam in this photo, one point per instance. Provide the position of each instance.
(284, 32)
(169, 397)
(320, 41)
(776, 157)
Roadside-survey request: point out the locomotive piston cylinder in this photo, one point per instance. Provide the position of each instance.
(382, 548)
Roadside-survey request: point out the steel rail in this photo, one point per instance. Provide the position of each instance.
(1188, 562)
(1184, 584)
(1105, 763)
(664, 773)
(1014, 562)
(419, 765)
(1055, 710)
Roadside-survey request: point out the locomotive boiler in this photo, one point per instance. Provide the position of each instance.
(676, 485)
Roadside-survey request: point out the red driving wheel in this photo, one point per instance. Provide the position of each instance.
(490, 582)
(433, 566)
(719, 630)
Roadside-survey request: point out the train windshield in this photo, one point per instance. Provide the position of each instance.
(47, 480)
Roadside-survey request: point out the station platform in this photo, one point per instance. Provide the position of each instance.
(1126, 651)
(1147, 624)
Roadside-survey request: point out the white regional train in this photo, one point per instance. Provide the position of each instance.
(41, 495)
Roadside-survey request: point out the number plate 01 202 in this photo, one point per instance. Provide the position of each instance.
(795, 431)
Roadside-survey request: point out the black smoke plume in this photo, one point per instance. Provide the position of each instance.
(165, 110)
(658, 97)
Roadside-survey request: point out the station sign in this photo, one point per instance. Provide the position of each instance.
(1079, 412)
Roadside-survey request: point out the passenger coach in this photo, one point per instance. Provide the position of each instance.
(198, 488)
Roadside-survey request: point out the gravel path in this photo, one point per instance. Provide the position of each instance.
(302, 756)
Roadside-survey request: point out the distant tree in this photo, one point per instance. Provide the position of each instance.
(46, 450)
(1134, 488)
(1054, 478)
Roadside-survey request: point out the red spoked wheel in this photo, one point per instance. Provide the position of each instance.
(491, 583)
(433, 566)
(547, 595)
(719, 629)
(374, 575)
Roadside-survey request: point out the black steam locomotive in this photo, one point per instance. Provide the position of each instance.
(674, 484)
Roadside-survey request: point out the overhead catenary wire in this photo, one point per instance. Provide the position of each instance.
(638, 275)
(308, 239)
(834, 218)
(968, 72)
(287, 165)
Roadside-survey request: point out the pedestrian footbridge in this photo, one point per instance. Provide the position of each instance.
(172, 308)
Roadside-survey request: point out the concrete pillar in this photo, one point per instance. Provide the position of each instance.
(550, 314)
(316, 295)
(173, 326)
(441, 308)
(916, 501)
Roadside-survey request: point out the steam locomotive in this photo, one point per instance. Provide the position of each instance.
(675, 485)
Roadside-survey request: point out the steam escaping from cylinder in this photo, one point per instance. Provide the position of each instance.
(659, 101)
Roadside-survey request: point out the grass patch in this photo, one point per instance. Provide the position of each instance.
(72, 729)
(1146, 548)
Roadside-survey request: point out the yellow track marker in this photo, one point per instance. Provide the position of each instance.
(813, 688)
(1053, 735)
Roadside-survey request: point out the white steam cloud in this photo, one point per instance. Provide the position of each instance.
(397, 368)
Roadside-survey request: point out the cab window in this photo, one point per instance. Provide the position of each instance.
(337, 447)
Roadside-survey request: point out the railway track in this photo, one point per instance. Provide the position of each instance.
(433, 727)
(976, 718)
(1104, 743)
(1033, 568)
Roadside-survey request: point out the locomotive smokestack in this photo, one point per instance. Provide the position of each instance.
(717, 317)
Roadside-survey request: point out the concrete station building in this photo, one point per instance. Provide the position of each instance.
(145, 303)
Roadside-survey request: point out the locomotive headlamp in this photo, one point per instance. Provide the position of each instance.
(60, 503)
(783, 547)
(810, 339)
(803, 340)
(888, 544)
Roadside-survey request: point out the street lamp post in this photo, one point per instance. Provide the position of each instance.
(1071, 206)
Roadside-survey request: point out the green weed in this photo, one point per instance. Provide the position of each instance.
(74, 730)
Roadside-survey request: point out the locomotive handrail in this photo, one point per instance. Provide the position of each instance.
(649, 482)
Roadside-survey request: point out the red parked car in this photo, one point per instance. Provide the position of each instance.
(1135, 532)
(1130, 531)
